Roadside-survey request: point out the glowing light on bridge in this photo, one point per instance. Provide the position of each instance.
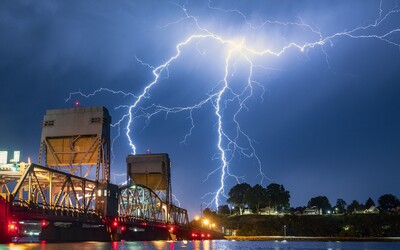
(237, 143)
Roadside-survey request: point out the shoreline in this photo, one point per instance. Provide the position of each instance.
(307, 238)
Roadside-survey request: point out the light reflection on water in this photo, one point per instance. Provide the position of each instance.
(206, 245)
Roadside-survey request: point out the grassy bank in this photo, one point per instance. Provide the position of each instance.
(343, 226)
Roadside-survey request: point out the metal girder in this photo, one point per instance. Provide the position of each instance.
(46, 188)
(138, 202)
(178, 215)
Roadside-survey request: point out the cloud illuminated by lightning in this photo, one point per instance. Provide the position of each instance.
(230, 144)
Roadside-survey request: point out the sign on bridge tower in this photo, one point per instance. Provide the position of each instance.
(76, 140)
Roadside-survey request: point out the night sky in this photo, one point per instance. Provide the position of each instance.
(325, 121)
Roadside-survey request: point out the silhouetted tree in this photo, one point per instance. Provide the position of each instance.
(256, 197)
(387, 202)
(354, 207)
(369, 203)
(340, 207)
(277, 196)
(237, 195)
(321, 202)
(224, 209)
(297, 210)
(208, 212)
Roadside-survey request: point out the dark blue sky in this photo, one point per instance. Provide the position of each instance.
(322, 122)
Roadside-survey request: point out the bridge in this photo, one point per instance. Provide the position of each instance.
(70, 198)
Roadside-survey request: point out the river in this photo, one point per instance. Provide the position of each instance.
(207, 245)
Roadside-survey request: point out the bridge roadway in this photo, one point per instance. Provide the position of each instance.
(57, 206)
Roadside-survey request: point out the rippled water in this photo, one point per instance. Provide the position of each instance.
(209, 245)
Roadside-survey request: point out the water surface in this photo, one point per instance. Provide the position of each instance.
(207, 245)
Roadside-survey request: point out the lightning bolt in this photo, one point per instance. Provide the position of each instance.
(97, 91)
(230, 144)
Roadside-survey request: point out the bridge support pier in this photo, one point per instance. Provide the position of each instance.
(74, 232)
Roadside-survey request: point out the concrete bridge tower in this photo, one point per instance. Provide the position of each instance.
(77, 140)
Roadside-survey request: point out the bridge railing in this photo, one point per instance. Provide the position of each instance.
(23, 208)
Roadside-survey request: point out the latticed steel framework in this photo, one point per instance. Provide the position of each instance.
(178, 215)
(139, 203)
(38, 191)
(76, 140)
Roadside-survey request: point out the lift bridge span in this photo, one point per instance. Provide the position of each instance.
(70, 197)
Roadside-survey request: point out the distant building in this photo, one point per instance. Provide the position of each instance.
(268, 211)
(247, 211)
(263, 211)
(371, 210)
(395, 210)
(312, 211)
(229, 232)
(11, 164)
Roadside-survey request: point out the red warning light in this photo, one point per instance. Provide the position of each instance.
(44, 223)
(77, 104)
(123, 228)
(115, 224)
(12, 227)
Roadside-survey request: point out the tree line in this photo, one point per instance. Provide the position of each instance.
(276, 197)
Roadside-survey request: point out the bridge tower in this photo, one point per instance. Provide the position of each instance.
(76, 140)
(152, 171)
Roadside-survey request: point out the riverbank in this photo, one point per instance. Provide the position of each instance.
(306, 238)
(347, 226)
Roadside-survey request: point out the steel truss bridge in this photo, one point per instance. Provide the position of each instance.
(59, 202)
(50, 200)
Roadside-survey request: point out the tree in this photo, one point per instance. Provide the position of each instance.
(208, 212)
(224, 209)
(277, 196)
(340, 207)
(354, 207)
(256, 197)
(369, 203)
(297, 210)
(320, 202)
(387, 202)
(237, 196)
